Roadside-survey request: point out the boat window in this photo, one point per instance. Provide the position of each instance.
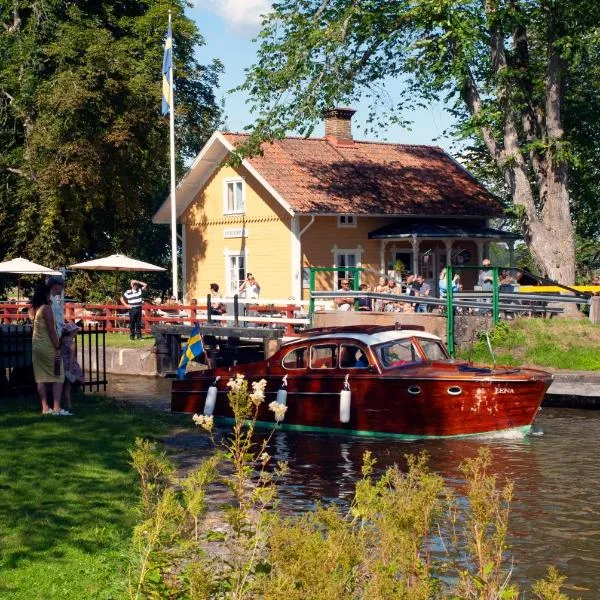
(397, 352)
(323, 356)
(433, 349)
(295, 359)
(353, 357)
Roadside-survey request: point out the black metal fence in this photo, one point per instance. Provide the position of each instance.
(16, 368)
(92, 356)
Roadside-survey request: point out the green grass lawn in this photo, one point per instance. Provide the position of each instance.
(547, 343)
(121, 340)
(68, 498)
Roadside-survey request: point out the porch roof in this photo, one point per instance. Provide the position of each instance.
(440, 231)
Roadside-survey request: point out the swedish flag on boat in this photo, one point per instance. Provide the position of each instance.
(194, 348)
(166, 72)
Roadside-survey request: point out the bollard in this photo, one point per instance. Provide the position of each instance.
(595, 310)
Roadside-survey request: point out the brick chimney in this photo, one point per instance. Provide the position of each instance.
(338, 125)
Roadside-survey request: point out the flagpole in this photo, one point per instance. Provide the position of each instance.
(173, 181)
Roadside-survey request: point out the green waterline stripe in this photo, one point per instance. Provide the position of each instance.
(523, 430)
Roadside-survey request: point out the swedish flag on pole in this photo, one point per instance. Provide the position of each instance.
(167, 72)
(194, 348)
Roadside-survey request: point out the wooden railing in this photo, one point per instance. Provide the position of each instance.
(115, 317)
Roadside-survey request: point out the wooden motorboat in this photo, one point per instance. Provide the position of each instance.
(376, 381)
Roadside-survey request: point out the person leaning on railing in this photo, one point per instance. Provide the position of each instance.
(344, 303)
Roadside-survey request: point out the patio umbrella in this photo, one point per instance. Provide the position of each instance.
(22, 266)
(116, 262)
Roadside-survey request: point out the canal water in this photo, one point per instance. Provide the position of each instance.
(555, 516)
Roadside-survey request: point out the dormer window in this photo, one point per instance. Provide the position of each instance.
(234, 201)
(346, 221)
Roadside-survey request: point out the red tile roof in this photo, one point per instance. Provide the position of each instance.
(317, 176)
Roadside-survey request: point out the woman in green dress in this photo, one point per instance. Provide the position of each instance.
(45, 349)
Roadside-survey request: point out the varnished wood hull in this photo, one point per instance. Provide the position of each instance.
(448, 402)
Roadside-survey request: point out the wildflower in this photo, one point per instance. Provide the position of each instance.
(278, 409)
(264, 458)
(236, 384)
(204, 421)
(258, 394)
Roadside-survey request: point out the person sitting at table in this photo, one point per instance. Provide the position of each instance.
(344, 303)
(364, 304)
(216, 306)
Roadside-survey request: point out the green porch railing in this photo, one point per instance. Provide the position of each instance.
(450, 271)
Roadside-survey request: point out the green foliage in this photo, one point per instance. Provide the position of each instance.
(85, 150)
(497, 66)
(380, 547)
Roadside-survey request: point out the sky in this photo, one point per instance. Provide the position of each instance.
(229, 26)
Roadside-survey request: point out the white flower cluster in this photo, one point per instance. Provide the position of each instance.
(236, 384)
(278, 409)
(264, 458)
(258, 391)
(204, 421)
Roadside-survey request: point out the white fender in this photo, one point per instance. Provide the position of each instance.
(345, 402)
(282, 395)
(211, 399)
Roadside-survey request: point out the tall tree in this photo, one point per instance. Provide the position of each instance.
(84, 158)
(503, 66)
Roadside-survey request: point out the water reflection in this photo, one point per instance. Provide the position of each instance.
(555, 517)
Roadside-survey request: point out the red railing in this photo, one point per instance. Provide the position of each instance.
(115, 317)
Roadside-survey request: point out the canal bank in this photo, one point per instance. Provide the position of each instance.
(570, 389)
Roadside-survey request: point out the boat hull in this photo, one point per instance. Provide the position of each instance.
(410, 403)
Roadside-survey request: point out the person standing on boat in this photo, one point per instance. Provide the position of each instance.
(132, 298)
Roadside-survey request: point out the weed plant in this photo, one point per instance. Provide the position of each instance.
(404, 535)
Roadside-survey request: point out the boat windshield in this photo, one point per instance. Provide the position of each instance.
(397, 353)
(433, 349)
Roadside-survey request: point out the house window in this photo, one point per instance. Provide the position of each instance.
(346, 258)
(234, 196)
(346, 221)
(235, 266)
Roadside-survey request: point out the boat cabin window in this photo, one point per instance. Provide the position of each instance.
(295, 359)
(397, 352)
(323, 356)
(433, 349)
(353, 357)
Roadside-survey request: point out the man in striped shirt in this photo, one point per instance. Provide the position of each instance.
(132, 298)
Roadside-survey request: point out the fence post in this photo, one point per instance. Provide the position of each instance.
(595, 310)
(495, 298)
(107, 318)
(236, 311)
(193, 309)
(449, 311)
(69, 312)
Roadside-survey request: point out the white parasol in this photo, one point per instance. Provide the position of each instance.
(116, 262)
(22, 266)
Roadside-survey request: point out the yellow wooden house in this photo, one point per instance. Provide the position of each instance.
(326, 202)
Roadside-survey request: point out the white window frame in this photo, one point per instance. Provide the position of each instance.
(229, 254)
(340, 251)
(232, 181)
(342, 220)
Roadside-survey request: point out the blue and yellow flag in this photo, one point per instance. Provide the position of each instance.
(166, 72)
(194, 348)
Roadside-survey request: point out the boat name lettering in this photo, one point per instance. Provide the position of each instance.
(503, 390)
